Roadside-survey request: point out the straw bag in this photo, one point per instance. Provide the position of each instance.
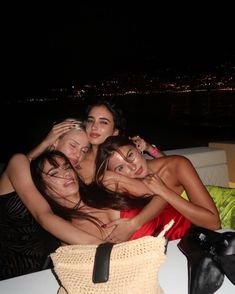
(128, 267)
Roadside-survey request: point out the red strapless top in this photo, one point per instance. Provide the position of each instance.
(177, 231)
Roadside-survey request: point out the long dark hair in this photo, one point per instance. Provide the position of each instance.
(118, 116)
(92, 195)
(37, 167)
(105, 150)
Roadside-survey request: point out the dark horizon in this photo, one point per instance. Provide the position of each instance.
(26, 86)
(104, 40)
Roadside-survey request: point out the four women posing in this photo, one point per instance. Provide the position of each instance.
(80, 217)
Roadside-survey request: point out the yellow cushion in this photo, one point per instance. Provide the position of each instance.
(232, 184)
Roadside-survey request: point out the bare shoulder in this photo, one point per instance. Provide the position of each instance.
(167, 159)
(178, 161)
(14, 171)
(18, 162)
(175, 158)
(18, 158)
(172, 162)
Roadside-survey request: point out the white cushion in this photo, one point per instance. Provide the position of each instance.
(201, 156)
(210, 163)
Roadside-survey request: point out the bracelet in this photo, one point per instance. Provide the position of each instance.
(154, 151)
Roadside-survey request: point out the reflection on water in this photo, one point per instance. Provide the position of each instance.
(168, 120)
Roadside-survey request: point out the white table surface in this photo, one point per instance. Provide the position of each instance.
(173, 278)
(173, 274)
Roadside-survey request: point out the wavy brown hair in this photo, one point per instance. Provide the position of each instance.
(105, 150)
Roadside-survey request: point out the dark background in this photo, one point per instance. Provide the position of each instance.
(46, 47)
(54, 47)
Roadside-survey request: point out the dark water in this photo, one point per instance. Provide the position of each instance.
(169, 120)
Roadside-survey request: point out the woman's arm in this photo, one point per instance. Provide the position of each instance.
(200, 209)
(18, 172)
(126, 227)
(121, 184)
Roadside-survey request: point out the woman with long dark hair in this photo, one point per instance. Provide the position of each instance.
(172, 178)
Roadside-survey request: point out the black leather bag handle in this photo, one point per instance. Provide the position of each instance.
(101, 263)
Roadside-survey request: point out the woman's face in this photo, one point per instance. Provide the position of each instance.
(128, 162)
(100, 125)
(74, 145)
(61, 180)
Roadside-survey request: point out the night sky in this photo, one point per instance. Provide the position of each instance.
(44, 47)
(44, 51)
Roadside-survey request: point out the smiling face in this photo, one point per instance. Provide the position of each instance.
(100, 125)
(60, 178)
(74, 144)
(128, 162)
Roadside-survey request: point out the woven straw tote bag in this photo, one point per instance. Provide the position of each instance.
(133, 267)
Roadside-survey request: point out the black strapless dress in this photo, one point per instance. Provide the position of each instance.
(24, 245)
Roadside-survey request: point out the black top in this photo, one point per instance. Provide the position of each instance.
(24, 244)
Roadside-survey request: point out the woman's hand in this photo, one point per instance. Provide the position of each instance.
(155, 184)
(124, 229)
(143, 146)
(140, 144)
(58, 130)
